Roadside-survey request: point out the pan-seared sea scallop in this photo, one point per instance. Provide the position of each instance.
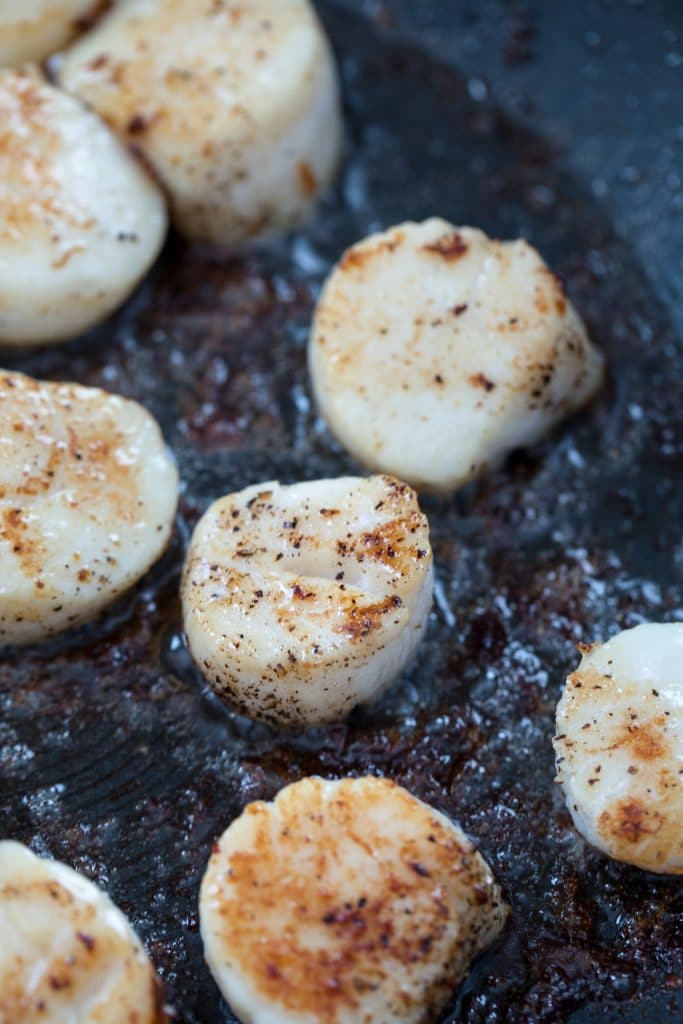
(67, 954)
(436, 351)
(619, 746)
(300, 602)
(235, 105)
(88, 493)
(347, 902)
(33, 29)
(80, 221)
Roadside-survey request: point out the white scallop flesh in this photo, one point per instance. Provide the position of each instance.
(345, 902)
(300, 602)
(234, 105)
(88, 492)
(435, 351)
(68, 955)
(619, 746)
(80, 221)
(33, 29)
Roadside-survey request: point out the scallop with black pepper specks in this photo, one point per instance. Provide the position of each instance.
(436, 351)
(619, 746)
(301, 601)
(345, 902)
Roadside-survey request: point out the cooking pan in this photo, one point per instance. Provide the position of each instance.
(113, 755)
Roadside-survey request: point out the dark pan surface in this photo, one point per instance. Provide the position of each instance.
(113, 757)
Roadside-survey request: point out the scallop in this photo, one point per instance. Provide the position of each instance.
(234, 105)
(344, 902)
(88, 493)
(33, 29)
(435, 351)
(80, 221)
(301, 601)
(619, 746)
(68, 955)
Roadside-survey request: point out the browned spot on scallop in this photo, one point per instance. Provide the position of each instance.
(391, 541)
(27, 548)
(258, 223)
(648, 742)
(64, 258)
(99, 448)
(39, 483)
(13, 521)
(98, 62)
(58, 982)
(541, 303)
(355, 258)
(667, 780)
(308, 182)
(586, 678)
(554, 296)
(138, 124)
(358, 256)
(480, 380)
(629, 820)
(645, 740)
(74, 444)
(359, 620)
(87, 940)
(103, 476)
(451, 246)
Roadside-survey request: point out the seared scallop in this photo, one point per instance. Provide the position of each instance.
(87, 500)
(33, 29)
(235, 105)
(344, 902)
(68, 955)
(80, 221)
(435, 351)
(619, 746)
(300, 602)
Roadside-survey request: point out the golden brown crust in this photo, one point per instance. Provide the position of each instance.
(320, 908)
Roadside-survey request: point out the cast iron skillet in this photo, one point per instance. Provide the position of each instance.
(114, 758)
